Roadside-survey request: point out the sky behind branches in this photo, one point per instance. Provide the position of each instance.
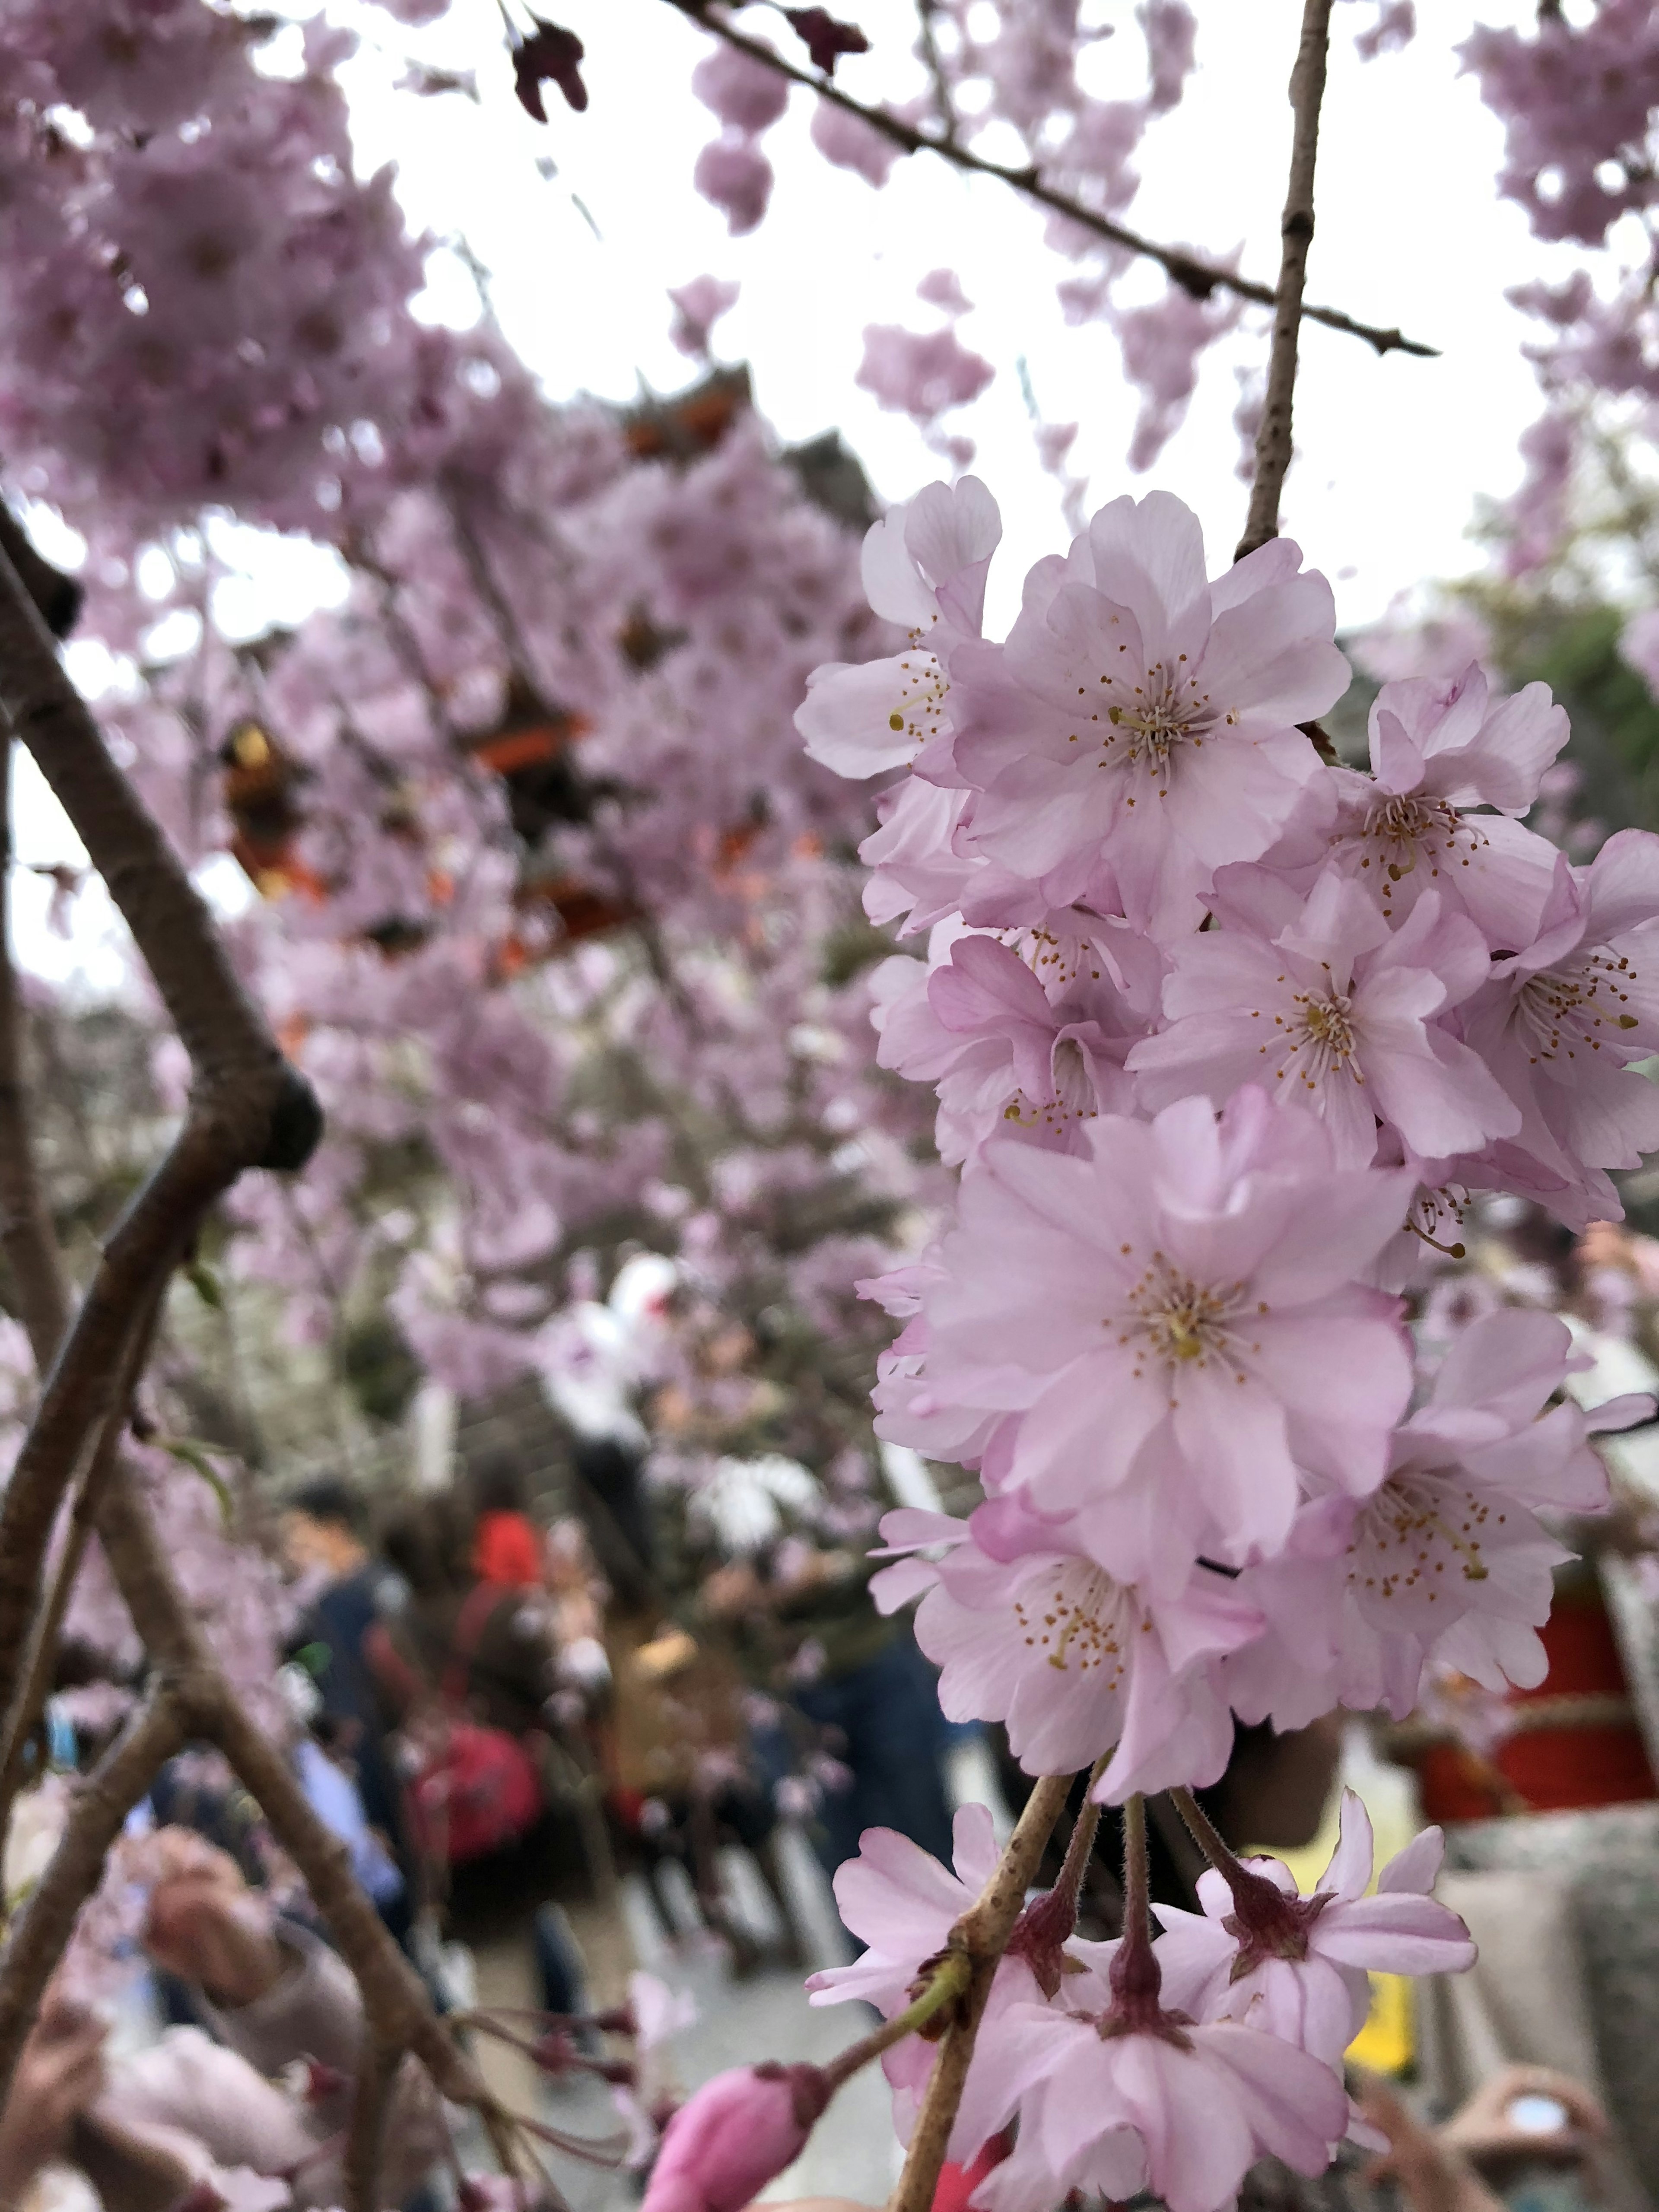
(583, 225)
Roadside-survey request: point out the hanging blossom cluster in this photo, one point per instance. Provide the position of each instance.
(552, 911)
(524, 809)
(1576, 96)
(549, 912)
(1020, 70)
(1223, 1036)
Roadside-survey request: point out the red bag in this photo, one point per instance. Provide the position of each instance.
(475, 1789)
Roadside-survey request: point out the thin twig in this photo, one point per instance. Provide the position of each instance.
(394, 1997)
(24, 1710)
(1137, 1872)
(1200, 278)
(944, 107)
(948, 1984)
(1204, 1833)
(216, 1022)
(37, 1937)
(1273, 442)
(1080, 1847)
(983, 1933)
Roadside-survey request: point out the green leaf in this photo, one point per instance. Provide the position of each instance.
(205, 1284)
(195, 1456)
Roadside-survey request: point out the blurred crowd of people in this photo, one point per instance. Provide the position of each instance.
(502, 1712)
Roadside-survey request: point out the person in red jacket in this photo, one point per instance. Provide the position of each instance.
(507, 1546)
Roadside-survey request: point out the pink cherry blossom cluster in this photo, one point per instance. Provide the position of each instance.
(1223, 1036)
(1173, 2067)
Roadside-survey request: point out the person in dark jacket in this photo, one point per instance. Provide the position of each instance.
(324, 1531)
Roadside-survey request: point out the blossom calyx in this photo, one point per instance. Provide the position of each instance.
(1040, 1934)
(1264, 1922)
(1136, 1981)
(933, 2028)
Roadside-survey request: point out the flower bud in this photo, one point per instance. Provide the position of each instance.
(737, 2133)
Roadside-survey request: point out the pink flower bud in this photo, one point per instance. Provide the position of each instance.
(737, 2133)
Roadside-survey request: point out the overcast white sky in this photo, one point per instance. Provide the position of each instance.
(1393, 453)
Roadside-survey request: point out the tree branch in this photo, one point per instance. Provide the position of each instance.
(1200, 278)
(983, 1933)
(395, 2001)
(57, 596)
(377, 2077)
(27, 1236)
(947, 1986)
(1273, 442)
(230, 1049)
(247, 1109)
(43, 1927)
(24, 1707)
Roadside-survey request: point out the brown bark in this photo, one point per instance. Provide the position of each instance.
(377, 2077)
(27, 1237)
(246, 1108)
(1273, 442)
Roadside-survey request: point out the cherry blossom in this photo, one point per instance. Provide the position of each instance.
(698, 307)
(1028, 1629)
(1118, 2092)
(1564, 1016)
(1297, 1967)
(733, 2136)
(901, 1904)
(1439, 749)
(742, 92)
(924, 567)
(530, 836)
(737, 177)
(1195, 1277)
(1138, 707)
(1448, 1561)
(1003, 1055)
(1321, 1001)
(922, 374)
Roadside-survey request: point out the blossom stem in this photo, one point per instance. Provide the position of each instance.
(1197, 278)
(1204, 1832)
(1081, 1847)
(1135, 1976)
(981, 1935)
(1249, 1890)
(1137, 1873)
(1273, 438)
(948, 1981)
